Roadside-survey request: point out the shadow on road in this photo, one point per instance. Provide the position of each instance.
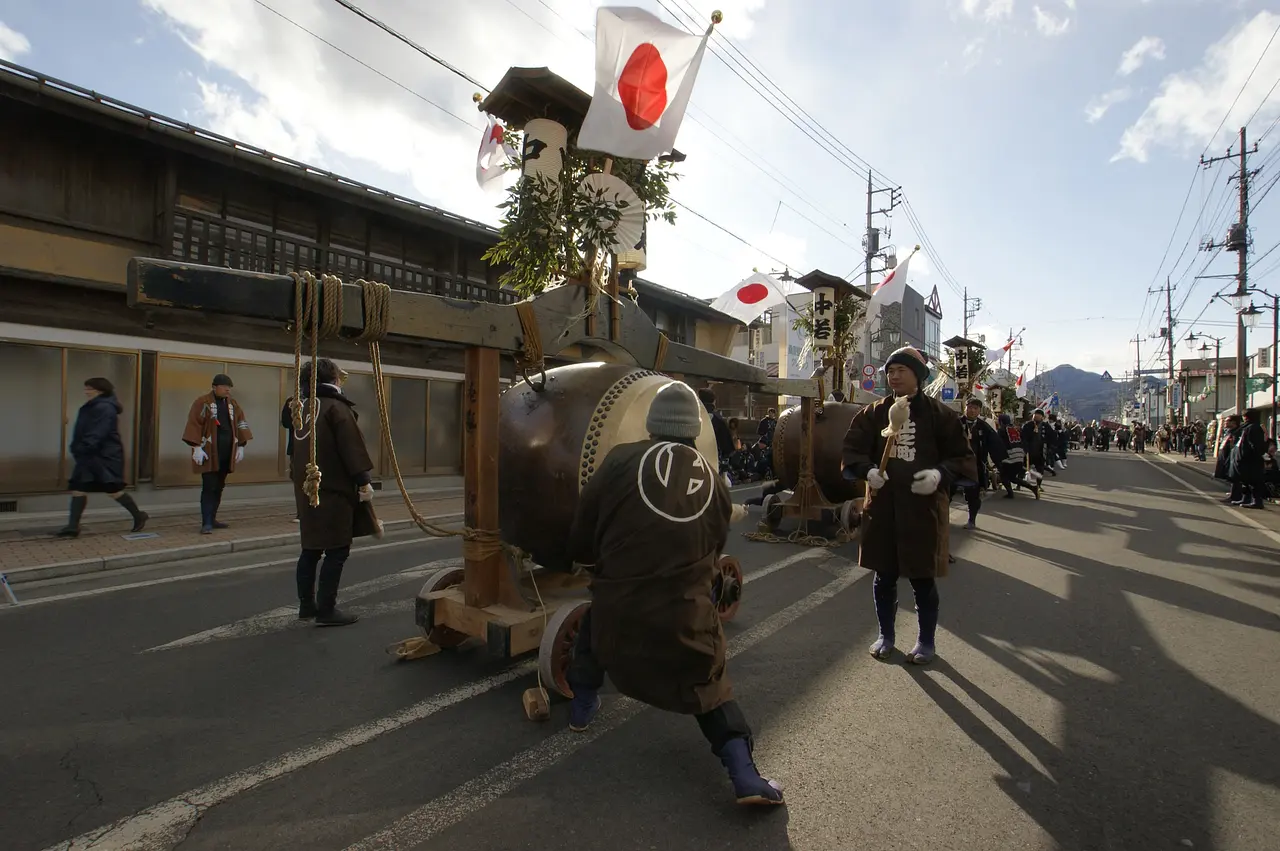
(1144, 739)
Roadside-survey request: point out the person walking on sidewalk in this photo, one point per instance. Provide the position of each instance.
(906, 525)
(649, 528)
(217, 431)
(987, 446)
(99, 456)
(346, 486)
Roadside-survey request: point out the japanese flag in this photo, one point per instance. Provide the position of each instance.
(751, 297)
(645, 71)
(893, 289)
(494, 153)
(1020, 388)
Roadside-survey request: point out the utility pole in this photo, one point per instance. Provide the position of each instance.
(871, 242)
(971, 308)
(1238, 241)
(1137, 375)
(1167, 333)
(1011, 351)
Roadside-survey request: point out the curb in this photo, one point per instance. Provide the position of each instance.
(1175, 462)
(63, 569)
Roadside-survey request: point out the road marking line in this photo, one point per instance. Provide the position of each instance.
(286, 617)
(163, 826)
(444, 812)
(222, 571)
(1229, 510)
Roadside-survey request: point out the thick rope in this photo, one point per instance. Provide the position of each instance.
(660, 357)
(317, 308)
(477, 544)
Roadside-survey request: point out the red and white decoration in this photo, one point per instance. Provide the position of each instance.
(1020, 388)
(494, 153)
(645, 70)
(894, 286)
(751, 297)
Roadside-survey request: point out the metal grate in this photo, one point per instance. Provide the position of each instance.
(8, 506)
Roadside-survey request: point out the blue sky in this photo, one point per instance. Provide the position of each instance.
(979, 109)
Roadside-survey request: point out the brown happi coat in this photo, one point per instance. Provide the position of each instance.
(344, 465)
(202, 431)
(901, 530)
(651, 524)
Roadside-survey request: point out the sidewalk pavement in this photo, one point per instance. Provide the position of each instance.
(33, 554)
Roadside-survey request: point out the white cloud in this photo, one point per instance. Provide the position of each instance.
(1098, 107)
(1147, 47)
(1070, 4)
(1048, 25)
(12, 43)
(991, 10)
(972, 54)
(1188, 109)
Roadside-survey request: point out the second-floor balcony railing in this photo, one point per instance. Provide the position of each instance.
(212, 241)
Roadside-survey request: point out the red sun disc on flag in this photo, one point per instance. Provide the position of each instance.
(642, 87)
(753, 293)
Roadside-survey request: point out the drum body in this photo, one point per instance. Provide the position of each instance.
(551, 441)
(828, 441)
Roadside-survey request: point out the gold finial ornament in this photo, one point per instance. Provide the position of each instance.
(477, 98)
(917, 246)
(717, 16)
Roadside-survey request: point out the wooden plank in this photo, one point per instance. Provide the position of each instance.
(486, 581)
(509, 632)
(163, 284)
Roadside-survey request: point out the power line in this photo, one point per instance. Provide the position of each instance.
(359, 61)
(411, 43)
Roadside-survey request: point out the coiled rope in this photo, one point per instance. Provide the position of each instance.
(310, 296)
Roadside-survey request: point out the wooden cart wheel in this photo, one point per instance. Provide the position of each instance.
(556, 650)
(771, 509)
(727, 590)
(442, 636)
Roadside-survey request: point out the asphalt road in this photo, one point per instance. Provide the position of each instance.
(1106, 680)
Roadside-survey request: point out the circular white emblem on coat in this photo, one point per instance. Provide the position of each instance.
(672, 492)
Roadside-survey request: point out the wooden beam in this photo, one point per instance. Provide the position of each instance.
(487, 580)
(164, 284)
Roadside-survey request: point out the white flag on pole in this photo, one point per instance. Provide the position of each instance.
(645, 70)
(751, 297)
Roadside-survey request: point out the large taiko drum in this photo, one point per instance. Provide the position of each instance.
(553, 438)
(828, 439)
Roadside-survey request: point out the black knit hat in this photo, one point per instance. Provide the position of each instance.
(909, 357)
(222, 380)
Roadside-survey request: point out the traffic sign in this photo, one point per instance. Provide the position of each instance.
(948, 394)
(868, 384)
(869, 371)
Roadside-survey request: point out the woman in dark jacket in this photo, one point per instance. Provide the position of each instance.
(99, 455)
(1223, 468)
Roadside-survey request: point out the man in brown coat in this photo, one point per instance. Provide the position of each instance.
(346, 485)
(906, 526)
(650, 527)
(217, 431)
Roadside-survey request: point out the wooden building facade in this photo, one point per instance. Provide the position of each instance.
(90, 182)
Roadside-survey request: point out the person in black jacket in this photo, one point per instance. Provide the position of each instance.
(1248, 459)
(99, 456)
(986, 446)
(724, 438)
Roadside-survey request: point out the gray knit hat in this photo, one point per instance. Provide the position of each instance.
(675, 413)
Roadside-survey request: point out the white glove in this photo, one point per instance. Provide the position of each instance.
(199, 455)
(876, 479)
(366, 493)
(926, 482)
(739, 513)
(239, 454)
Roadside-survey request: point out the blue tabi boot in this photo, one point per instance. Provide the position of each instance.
(748, 786)
(927, 612)
(583, 709)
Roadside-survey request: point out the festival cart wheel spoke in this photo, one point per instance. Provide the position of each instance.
(442, 636)
(727, 590)
(556, 650)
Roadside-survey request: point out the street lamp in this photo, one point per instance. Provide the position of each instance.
(1203, 339)
(1249, 316)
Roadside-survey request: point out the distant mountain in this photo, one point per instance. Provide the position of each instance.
(1085, 394)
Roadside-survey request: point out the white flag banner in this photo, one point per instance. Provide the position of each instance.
(493, 155)
(1020, 389)
(751, 297)
(894, 286)
(645, 71)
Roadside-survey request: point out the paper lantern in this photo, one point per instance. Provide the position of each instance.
(545, 142)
